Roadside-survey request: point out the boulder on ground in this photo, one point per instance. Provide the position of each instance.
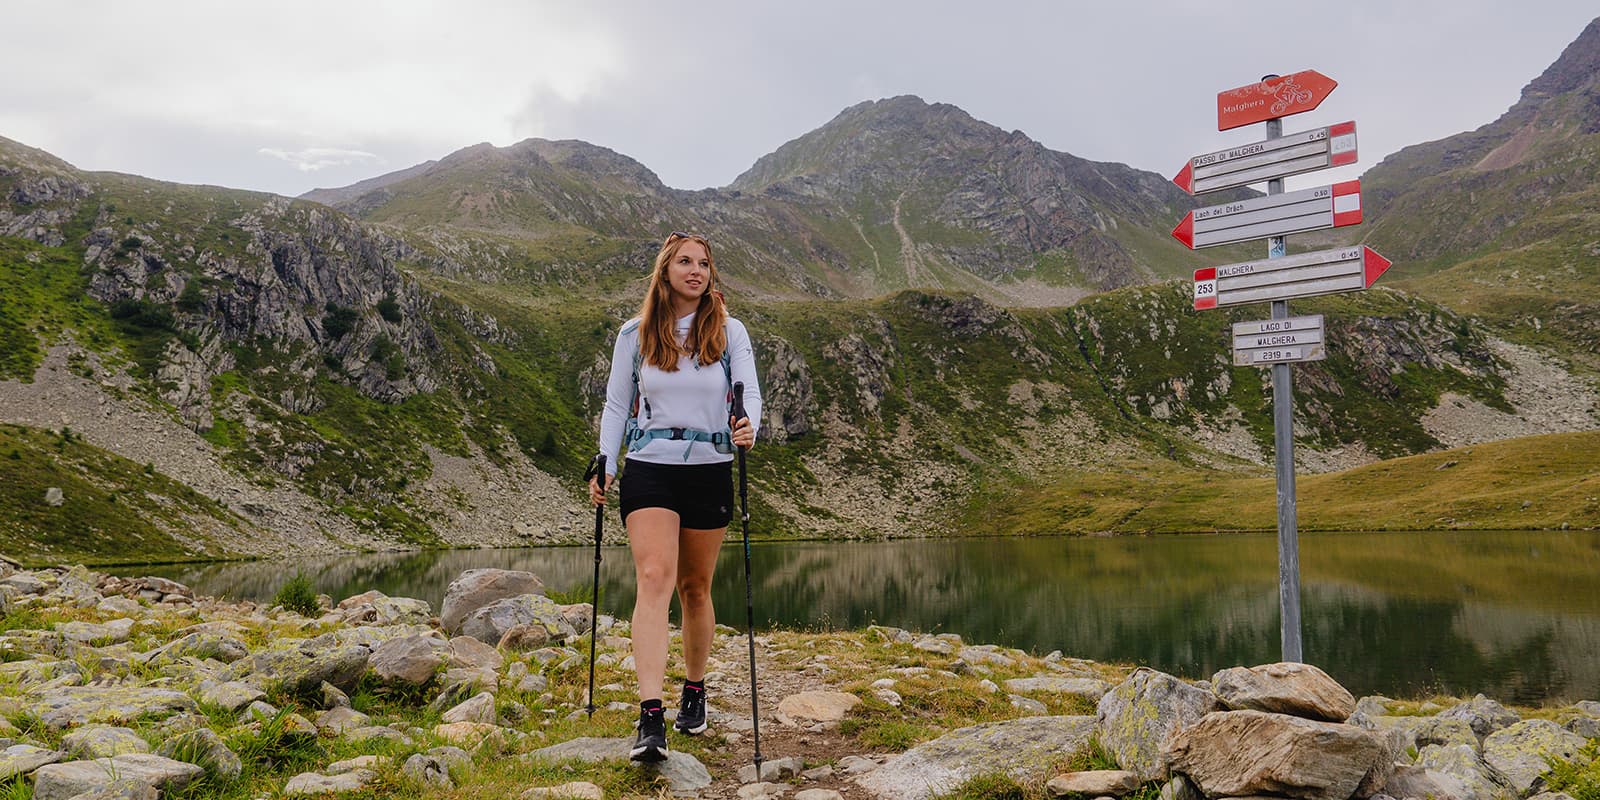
(1484, 715)
(410, 660)
(72, 778)
(1094, 783)
(75, 706)
(806, 708)
(1287, 687)
(477, 588)
(300, 670)
(1479, 781)
(1015, 748)
(490, 623)
(1523, 751)
(1137, 715)
(103, 741)
(205, 749)
(684, 773)
(1246, 753)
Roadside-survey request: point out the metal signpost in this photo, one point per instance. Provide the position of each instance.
(1307, 151)
(1282, 340)
(1274, 215)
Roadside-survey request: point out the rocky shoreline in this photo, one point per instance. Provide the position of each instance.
(136, 688)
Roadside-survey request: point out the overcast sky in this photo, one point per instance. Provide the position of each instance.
(285, 96)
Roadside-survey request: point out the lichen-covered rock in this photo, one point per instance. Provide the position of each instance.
(1461, 761)
(1521, 752)
(476, 588)
(1484, 715)
(1015, 747)
(1137, 715)
(21, 759)
(300, 670)
(1244, 753)
(112, 632)
(1300, 690)
(205, 749)
(428, 770)
(72, 778)
(231, 695)
(1421, 782)
(490, 623)
(1420, 732)
(201, 645)
(74, 706)
(103, 741)
(340, 719)
(376, 608)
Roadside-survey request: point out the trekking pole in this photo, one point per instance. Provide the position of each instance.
(597, 471)
(749, 602)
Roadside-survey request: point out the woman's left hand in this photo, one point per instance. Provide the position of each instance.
(744, 434)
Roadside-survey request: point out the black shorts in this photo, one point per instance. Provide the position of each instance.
(702, 494)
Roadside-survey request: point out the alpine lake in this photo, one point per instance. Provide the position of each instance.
(1512, 614)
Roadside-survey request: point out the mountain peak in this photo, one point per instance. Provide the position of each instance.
(1578, 66)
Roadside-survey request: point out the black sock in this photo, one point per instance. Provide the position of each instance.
(651, 706)
(699, 685)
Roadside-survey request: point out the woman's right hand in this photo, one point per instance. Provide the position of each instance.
(597, 490)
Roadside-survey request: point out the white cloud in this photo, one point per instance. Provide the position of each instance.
(313, 159)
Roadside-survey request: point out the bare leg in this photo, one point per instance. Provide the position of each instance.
(653, 538)
(697, 558)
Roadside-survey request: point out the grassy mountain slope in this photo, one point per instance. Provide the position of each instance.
(1504, 221)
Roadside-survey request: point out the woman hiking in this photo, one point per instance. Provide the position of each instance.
(668, 402)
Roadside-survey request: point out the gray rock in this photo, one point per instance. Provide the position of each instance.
(21, 759)
(376, 608)
(1300, 690)
(1015, 747)
(342, 719)
(478, 708)
(1420, 782)
(1244, 753)
(1419, 732)
(114, 632)
(805, 708)
(124, 792)
(490, 623)
(311, 783)
(684, 773)
(857, 765)
(411, 660)
(936, 646)
(1484, 715)
(429, 770)
(477, 588)
(775, 769)
(201, 645)
(1090, 689)
(473, 653)
(257, 711)
(1479, 781)
(1521, 752)
(231, 695)
(1587, 727)
(205, 749)
(817, 794)
(1135, 717)
(376, 733)
(334, 697)
(1179, 788)
(1094, 783)
(65, 780)
(571, 790)
(1590, 707)
(300, 670)
(1028, 705)
(54, 497)
(103, 741)
(74, 706)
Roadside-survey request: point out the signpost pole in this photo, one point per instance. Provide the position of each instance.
(1283, 439)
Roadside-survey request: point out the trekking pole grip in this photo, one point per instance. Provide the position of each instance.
(738, 402)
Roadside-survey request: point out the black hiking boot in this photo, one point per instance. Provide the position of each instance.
(692, 712)
(650, 745)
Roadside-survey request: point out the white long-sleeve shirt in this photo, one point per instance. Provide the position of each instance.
(694, 397)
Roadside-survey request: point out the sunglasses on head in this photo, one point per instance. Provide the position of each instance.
(676, 235)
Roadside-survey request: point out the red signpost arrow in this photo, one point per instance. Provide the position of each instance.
(1275, 97)
(1373, 265)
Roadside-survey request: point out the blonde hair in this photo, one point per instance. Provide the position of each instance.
(658, 340)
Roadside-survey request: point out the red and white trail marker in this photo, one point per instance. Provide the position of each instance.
(1332, 206)
(1274, 97)
(1347, 269)
(1293, 154)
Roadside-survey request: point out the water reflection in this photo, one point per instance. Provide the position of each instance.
(1511, 614)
